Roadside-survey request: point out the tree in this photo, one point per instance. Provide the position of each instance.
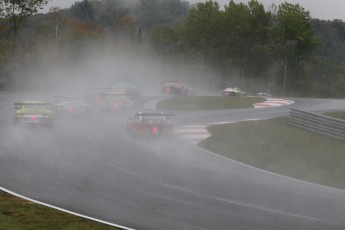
(165, 40)
(295, 41)
(16, 10)
(201, 31)
(259, 58)
(153, 13)
(83, 11)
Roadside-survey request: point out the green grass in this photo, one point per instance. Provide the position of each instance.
(277, 146)
(273, 145)
(18, 214)
(190, 103)
(339, 115)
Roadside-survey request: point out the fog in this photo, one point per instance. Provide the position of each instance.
(101, 135)
(107, 62)
(91, 164)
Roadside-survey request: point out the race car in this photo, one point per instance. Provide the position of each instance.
(94, 94)
(175, 88)
(145, 124)
(233, 91)
(115, 101)
(126, 87)
(71, 105)
(35, 113)
(264, 93)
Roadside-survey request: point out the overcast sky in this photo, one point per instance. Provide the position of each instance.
(322, 9)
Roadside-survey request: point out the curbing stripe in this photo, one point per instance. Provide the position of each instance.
(64, 210)
(270, 102)
(273, 102)
(197, 133)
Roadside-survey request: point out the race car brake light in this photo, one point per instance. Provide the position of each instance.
(115, 105)
(154, 129)
(72, 109)
(33, 117)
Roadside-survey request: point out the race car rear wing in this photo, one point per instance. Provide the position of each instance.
(116, 93)
(69, 97)
(155, 114)
(17, 105)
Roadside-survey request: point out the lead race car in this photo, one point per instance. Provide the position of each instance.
(145, 124)
(34, 113)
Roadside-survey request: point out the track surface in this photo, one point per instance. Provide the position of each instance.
(92, 167)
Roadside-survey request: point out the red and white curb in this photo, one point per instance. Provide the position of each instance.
(270, 102)
(194, 134)
(273, 102)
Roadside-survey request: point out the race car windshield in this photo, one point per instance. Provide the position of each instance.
(154, 118)
(35, 106)
(72, 100)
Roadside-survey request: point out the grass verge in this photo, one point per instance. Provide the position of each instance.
(18, 214)
(276, 146)
(195, 103)
(339, 115)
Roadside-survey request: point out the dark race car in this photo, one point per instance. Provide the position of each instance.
(34, 113)
(175, 88)
(126, 87)
(145, 124)
(71, 105)
(115, 102)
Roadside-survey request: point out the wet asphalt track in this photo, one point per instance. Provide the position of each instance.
(92, 167)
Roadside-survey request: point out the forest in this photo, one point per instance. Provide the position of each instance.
(280, 49)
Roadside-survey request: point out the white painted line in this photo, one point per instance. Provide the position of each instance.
(266, 171)
(182, 130)
(232, 122)
(195, 136)
(64, 210)
(194, 126)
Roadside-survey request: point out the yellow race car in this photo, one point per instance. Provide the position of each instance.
(35, 113)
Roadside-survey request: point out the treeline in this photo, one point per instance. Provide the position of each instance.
(280, 49)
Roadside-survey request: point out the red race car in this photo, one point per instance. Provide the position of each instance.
(175, 88)
(145, 124)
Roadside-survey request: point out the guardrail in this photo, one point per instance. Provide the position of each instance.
(318, 123)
